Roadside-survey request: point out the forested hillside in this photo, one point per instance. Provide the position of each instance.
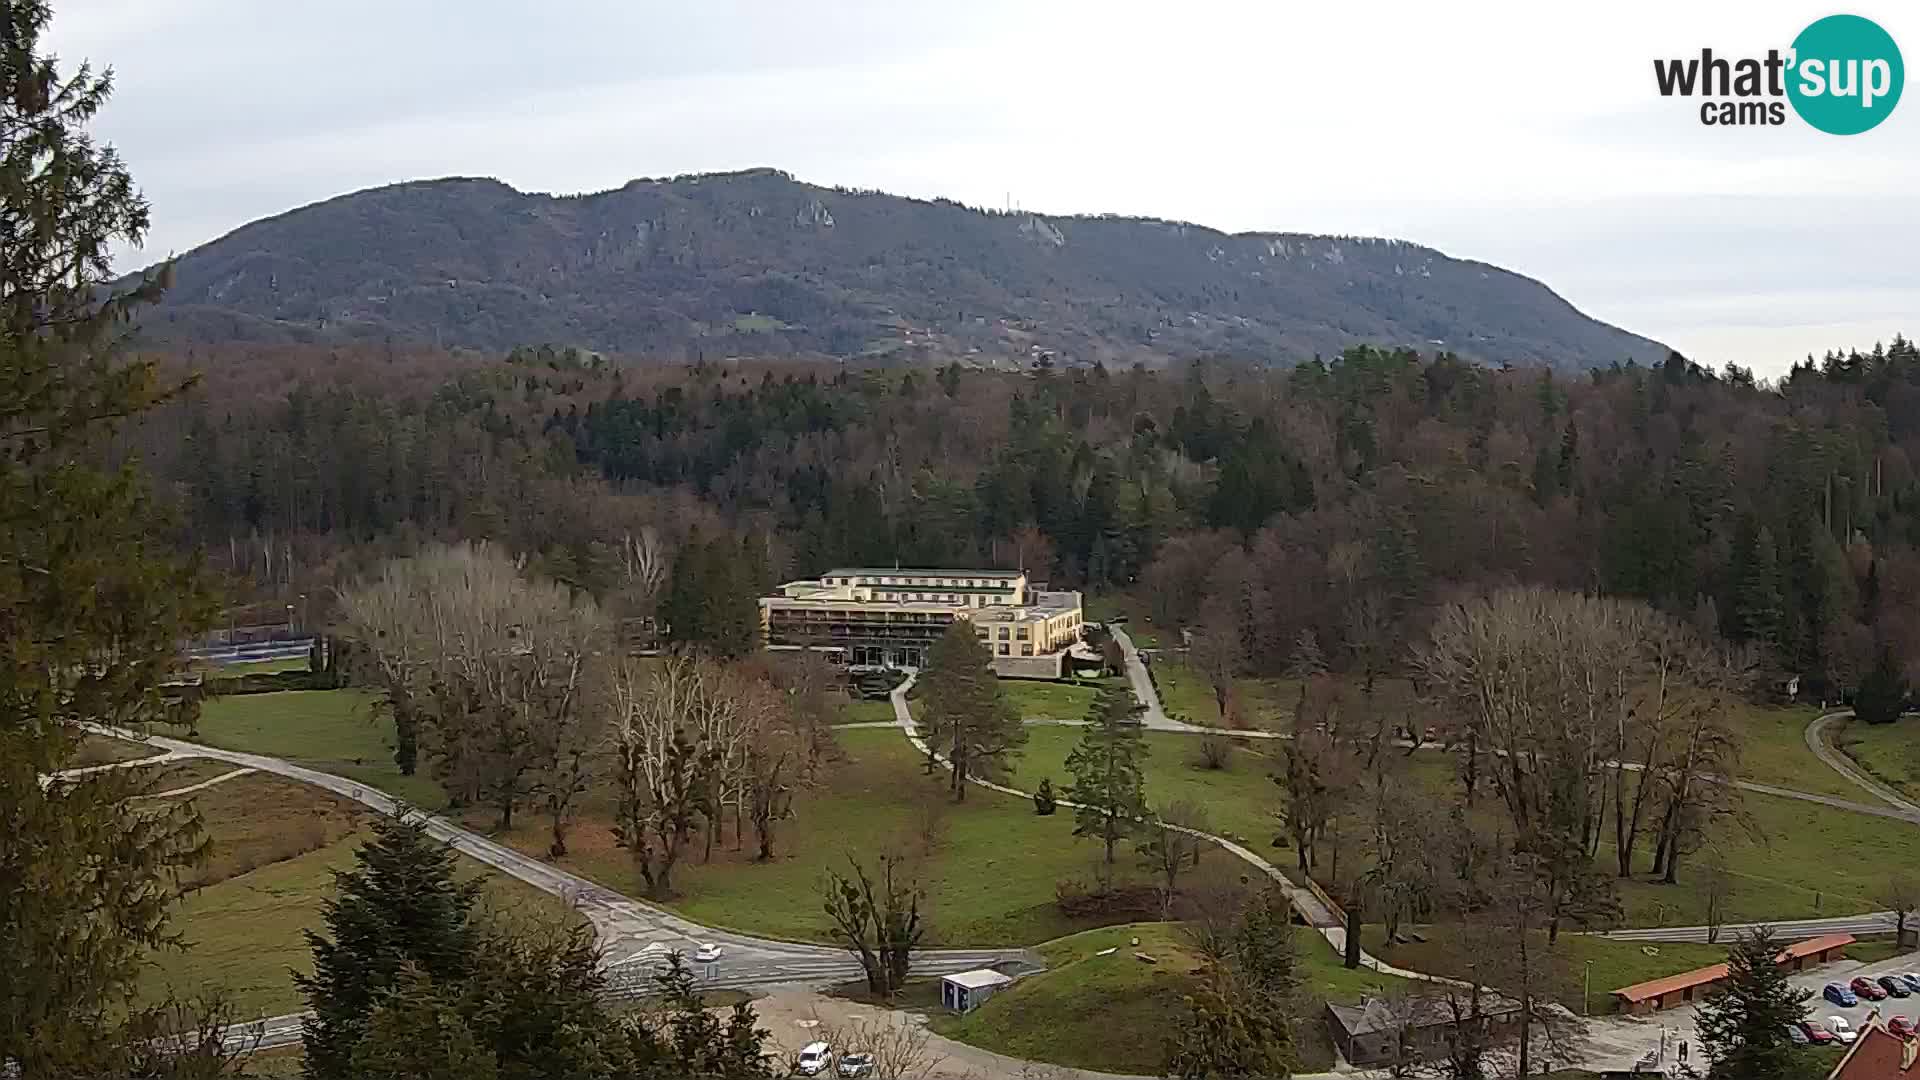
(758, 264)
(1339, 498)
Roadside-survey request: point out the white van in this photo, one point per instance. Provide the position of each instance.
(814, 1059)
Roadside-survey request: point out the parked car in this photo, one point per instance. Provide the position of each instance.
(1912, 981)
(1816, 1034)
(1799, 1037)
(814, 1059)
(1894, 986)
(707, 954)
(1900, 1026)
(856, 1065)
(1841, 1029)
(1867, 988)
(1840, 995)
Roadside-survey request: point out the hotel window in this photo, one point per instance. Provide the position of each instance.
(1026, 650)
(1003, 649)
(1024, 634)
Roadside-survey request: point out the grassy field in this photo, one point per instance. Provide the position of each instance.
(1107, 607)
(1112, 1013)
(1891, 752)
(259, 667)
(275, 843)
(862, 711)
(338, 731)
(1240, 798)
(1615, 963)
(1776, 753)
(184, 773)
(103, 750)
(1048, 700)
(989, 870)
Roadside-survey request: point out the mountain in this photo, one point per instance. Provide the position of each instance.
(757, 263)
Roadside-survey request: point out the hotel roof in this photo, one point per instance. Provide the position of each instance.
(896, 571)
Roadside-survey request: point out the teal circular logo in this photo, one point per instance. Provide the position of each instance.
(1846, 76)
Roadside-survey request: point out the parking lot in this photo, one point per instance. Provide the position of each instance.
(1619, 1042)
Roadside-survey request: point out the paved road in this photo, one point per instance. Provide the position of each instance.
(635, 937)
(1156, 718)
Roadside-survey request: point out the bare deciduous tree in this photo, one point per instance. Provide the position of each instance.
(1216, 653)
(661, 767)
(1171, 852)
(878, 922)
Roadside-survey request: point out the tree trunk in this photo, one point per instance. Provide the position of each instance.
(1352, 957)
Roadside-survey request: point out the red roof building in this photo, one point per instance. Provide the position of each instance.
(1656, 994)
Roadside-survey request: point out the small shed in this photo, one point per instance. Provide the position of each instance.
(964, 992)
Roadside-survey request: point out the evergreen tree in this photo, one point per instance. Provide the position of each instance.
(1743, 1024)
(1883, 693)
(92, 605)
(712, 599)
(416, 1034)
(965, 714)
(1758, 607)
(399, 909)
(1108, 787)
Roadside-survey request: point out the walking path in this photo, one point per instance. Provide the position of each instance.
(631, 933)
(201, 786)
(1317, 914)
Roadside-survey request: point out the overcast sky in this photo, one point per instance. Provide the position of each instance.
(1509, 132)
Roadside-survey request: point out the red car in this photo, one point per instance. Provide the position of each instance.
(1900, 1026)
(1868, 989)
(1816, 1034)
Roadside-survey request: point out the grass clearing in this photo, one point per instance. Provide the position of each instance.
(1776, 753)
(863, 711)
(260, 819)
(1035, 700)
(336, 731)
(1240, 799)
(186, 772)
(1132, 615)
(106, 750)
(989, 872)
(1890, 752)
(1614, 963)
(1112, 1013)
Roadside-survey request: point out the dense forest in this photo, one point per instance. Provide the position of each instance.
(1340, 498)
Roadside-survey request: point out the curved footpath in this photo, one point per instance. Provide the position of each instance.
(633, 935)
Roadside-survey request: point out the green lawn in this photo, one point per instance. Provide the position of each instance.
(1183, 691)
(1035, 700)
(989, 875)
(1134, 616)
(1890, 752)
(244, 935)
(337, 731)
(1240, 799)
(1112, 1013)
(1776, 753)
(105, 750)
(1815, 861)
(1615, 963)
(862, 711)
